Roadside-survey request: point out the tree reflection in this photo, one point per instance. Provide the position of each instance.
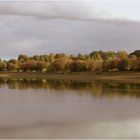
(94, 88)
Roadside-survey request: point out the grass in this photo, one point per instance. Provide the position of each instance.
(130, 77)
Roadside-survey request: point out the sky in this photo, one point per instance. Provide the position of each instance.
(69, 26)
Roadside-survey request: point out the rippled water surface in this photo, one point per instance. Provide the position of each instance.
(68, 109)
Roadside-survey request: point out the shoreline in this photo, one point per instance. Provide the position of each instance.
(129, 77)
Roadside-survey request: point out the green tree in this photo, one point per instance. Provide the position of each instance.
(136, 53)
(23, 57)
(12, 67)
(123, 65)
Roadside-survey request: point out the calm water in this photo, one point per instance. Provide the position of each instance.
(68, 109)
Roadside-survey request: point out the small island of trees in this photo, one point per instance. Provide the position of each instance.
(95, 61)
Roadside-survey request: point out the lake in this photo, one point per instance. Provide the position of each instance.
(31, 108)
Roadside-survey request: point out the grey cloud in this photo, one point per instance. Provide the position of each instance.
(32, 36)
(51, 9)
(23, 31)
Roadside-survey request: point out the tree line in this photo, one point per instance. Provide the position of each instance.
(95, 61)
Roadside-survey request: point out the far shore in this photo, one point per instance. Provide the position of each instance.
(130, 77)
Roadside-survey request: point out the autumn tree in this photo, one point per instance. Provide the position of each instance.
(78, 66)
(2, 66)
(60, 62)
(137, 64)
(122, 55)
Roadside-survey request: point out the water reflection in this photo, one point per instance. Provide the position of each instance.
(95, 88)
(40, 108)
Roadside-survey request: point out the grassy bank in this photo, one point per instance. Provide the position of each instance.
(131, 77)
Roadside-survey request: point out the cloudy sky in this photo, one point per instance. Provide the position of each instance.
(40, 27)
